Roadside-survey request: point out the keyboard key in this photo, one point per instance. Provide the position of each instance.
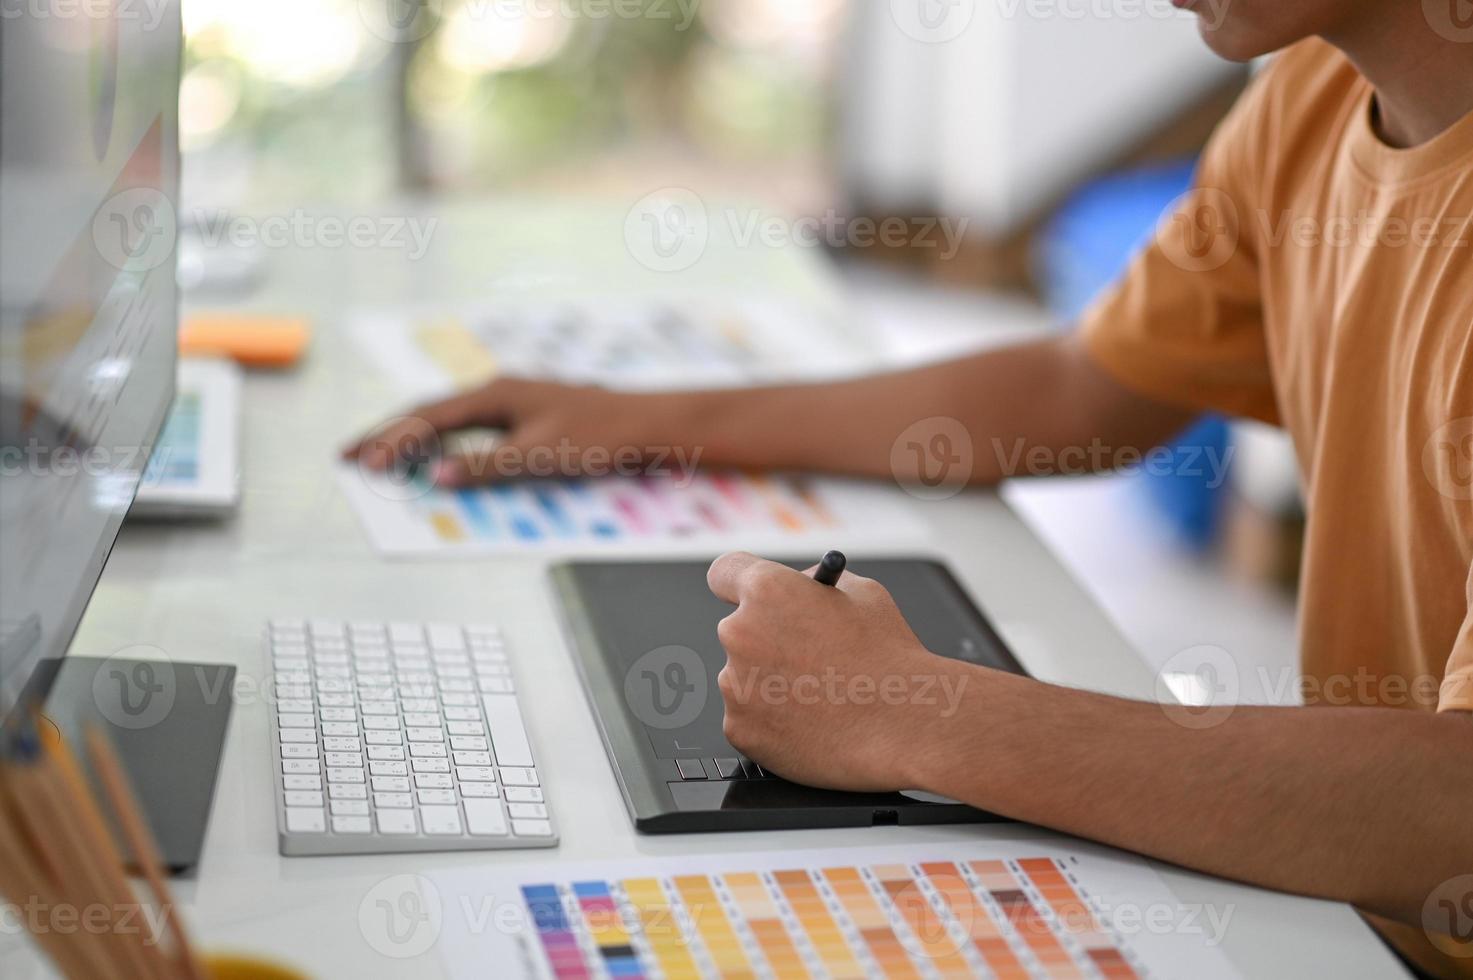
(431, 765)
(299, 750)
(471, 758)
(428, 750)
(350, 808)
(393, 801)
(294, 706)
(344, 760)
(301, 782)
(295, 721)
(338, 743)
(433, 780)
(463, 714)
(419, 719)
(338, 714)
(377, 768)
(339, 729)
(486, 791)
(477, 774)
(297, 735)
(518, 777)
(381, 724)
(435, 797)
(497, 685)
(386, 753)
(508, 733)
(305, 820)
(425, 735)
(383, 738)
(465, 728)
(523, 794)
(345, 775)
(304, 798)
(396, 821)
(469, 743)
(300, 767)
(440, 821)
(347, 791)
(406, 632)
(351, 825)
(483, 818)
(534, 811)
(445, 636)
(532, 828)
(379, 708)
(390, 784)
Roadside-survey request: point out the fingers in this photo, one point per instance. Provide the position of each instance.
(417, 434)
(739, 577)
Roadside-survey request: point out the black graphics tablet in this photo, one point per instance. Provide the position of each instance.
(644, 639)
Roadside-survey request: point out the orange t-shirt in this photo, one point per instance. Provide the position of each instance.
(1317, 279)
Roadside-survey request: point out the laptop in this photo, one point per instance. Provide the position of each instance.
(644, 639)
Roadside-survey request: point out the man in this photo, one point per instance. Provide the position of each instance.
(1317, 278)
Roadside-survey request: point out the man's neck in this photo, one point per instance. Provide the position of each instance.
(1423, 80)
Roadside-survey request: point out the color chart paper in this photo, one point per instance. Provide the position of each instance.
(706, 511)
(998, 910)
(622, 343)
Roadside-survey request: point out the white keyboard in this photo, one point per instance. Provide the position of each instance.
(393, 737)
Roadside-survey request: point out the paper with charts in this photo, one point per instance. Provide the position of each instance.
(970, 910)
(696, 511)
(627, 343)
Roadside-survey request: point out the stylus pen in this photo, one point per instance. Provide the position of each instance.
(830, 567)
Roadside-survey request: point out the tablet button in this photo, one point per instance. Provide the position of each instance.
(691, 768)
(729, 768)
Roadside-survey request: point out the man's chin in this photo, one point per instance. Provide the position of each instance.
(1232, 45)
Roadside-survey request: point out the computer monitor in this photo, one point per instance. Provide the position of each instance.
(89, 176)
(89, 181)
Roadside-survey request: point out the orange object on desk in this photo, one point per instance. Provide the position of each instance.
(249, 339)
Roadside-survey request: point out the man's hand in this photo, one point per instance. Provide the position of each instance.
(827, 686)
(545, 429)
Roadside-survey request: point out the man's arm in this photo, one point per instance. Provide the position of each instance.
(830, 687)
(1362, 805)
(1046, 394)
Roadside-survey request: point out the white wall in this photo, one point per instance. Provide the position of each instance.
(1013, 101)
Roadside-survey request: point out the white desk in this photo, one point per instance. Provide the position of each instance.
(203, 593)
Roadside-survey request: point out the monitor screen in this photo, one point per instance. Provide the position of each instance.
(89, 174)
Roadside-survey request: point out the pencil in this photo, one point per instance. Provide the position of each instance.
(140, 841)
